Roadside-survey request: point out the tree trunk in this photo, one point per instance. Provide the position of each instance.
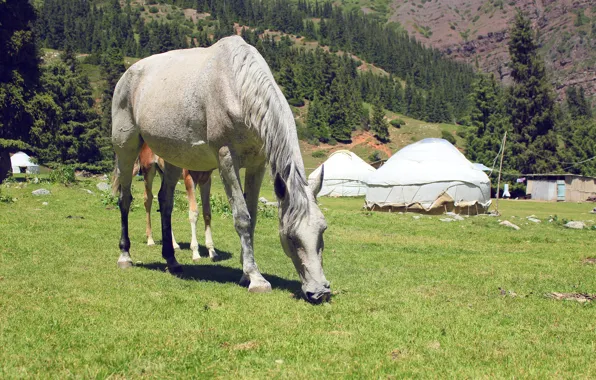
(5, 166)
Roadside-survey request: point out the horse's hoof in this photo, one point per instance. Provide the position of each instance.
(124, 264)
(176, 246)
(175, 269)
(214, 256)
(259, 287)
(150, 243)
(196, 257)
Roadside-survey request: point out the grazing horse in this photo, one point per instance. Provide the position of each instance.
(149, 163)
(219, 107)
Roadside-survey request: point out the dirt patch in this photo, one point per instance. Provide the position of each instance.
(590, 261)
(396, 354)
(363, 138)
(579, 297)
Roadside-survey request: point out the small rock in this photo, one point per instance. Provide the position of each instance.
(454, 216)
(534, 220)
(447, 220)
(104, 177)
(507, 223)
(416, 217)
(279, 361)
(88, 191)
(575, 225)
(263, 200)
(40, 192)
(103, 186)
(45, 203)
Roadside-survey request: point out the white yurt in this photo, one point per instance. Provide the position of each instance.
(22, 163)
(345, 175)
(431, 176)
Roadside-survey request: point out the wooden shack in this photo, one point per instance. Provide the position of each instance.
(560, 187)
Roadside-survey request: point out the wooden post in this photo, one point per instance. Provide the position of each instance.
(500, 168)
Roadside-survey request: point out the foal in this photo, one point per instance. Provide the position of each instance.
(149, 164)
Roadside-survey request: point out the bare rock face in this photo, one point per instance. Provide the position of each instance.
(476, 31)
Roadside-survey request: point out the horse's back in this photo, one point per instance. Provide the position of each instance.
(172, 98)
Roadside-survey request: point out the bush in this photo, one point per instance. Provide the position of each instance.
(332, 142)
(153, 10)
(375, 156)
(397, 123)
(296, 102)
(319, 154)
(63, 174)
(448, 136)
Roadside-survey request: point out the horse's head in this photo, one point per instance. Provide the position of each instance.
(302, 241)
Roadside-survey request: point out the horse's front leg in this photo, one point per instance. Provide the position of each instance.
(166, 202)
(205, 200)
(228, 170)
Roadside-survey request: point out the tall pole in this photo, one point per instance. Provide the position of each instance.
(500, 168)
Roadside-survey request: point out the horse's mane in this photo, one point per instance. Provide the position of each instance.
(265, 109)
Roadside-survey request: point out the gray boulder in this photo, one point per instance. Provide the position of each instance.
(103, 186)
(39, 192)
(507, 223)
(575, 225)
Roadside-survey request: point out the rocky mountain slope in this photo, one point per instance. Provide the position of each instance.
(476, 31)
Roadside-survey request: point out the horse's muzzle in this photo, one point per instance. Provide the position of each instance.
(320, 295)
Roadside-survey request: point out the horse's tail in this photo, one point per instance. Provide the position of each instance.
(116, 178)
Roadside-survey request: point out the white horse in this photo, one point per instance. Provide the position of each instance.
(219, 107)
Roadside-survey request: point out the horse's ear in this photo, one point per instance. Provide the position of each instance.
(316, 184)
(280, 187)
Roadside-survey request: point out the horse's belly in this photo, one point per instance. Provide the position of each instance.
(189, 154)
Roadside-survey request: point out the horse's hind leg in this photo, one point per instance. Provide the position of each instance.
(205, 200)
(127, 154)
(149, 174)
(166, 202)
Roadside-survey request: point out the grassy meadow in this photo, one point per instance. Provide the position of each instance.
(412, 297)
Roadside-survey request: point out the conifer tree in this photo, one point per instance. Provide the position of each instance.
(112, 65)
(378, 124)
(67, 128)
(489, 122)
(531, 103)
(317, 120)
(19, 74)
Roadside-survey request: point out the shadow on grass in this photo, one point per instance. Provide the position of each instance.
(221, 274)
(203, 251)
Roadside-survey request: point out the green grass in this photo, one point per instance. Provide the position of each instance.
(413, 298)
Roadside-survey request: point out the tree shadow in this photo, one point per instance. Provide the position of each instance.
(203, 251)
(221, 274)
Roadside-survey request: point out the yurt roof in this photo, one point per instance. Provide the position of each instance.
(426, 161)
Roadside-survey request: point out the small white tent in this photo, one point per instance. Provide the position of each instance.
(21, 163)
(429, 176)
(345, 175)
